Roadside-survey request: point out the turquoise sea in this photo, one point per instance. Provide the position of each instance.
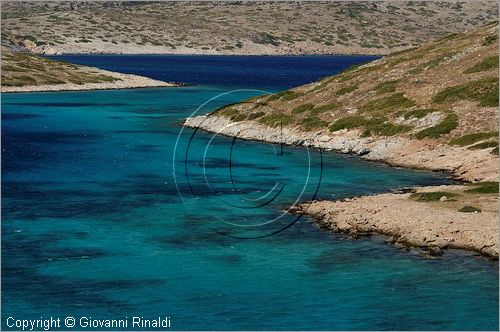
(109, 211)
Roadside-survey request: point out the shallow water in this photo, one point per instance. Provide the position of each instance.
(98, 222)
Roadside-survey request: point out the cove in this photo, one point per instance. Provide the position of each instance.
(94, 224)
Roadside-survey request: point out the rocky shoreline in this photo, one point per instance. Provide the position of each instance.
(123, 81)
(412, 224)
(463, 164)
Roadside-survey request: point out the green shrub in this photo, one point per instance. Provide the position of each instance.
(256, 115)
(487, 64)
(484, 188)
(494, 151)
(432, 196)
(284, 95)
(390, 103)
(484, 91)
(325, 108)
(276, 119)
(449, 123)
(469, 208)
(469, 139)
(386, 87)
(348, 122)
(382, 127)
(346, 89)
(290, 95)
(313, 122)
(238, 117)
(228, 112)
(484, 145)
(302, 108)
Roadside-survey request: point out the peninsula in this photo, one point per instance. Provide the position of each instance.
(25, 72)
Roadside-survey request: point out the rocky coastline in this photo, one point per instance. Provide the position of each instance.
(432, 228)
(408, 224)
(465, 165)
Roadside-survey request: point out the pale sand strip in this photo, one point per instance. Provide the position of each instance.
(125, 81)
(427, 225)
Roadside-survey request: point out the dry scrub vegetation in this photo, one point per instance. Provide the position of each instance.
(239, 27)
(22, 69)
(445, 91)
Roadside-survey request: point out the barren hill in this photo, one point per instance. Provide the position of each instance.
(239, 27)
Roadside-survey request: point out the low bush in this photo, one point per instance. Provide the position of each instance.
(276, 119)
(449, 123)
(432, 196)
(484, 91)
(484, 188)
(302, 108)
(382, 127)
(469, 139)
(485, 65)
(348, 122)
(256, 115)
(346, 90)
(386, 87)
(469, 208)
(238, 117)
(290, 95)
(284, 95)
(324, 108)
(389, 103)
(313, 122)
(483, 145)
(228, 112)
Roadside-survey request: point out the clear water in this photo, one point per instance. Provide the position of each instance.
(94, 224)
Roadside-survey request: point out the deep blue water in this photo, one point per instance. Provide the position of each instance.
(98, 222)
(264, 72)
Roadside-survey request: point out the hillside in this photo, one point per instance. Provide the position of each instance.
(236, 27)
(28, 72)
(433, 107)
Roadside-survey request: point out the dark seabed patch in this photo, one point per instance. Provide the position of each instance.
(18, 116)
